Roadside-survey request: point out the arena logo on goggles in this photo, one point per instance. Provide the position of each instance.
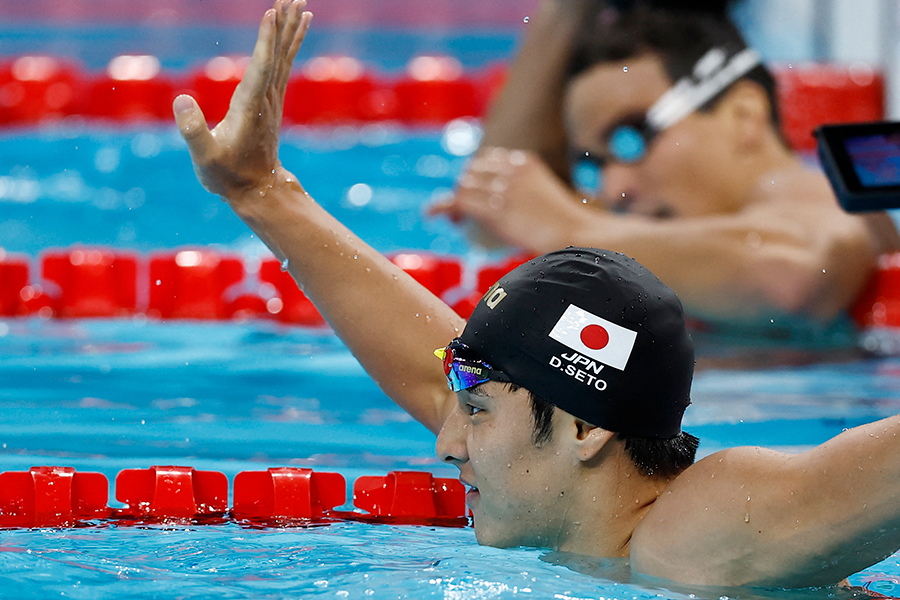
(464, 373)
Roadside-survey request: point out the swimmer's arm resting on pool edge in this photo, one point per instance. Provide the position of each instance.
(390, 323)
(753, 516)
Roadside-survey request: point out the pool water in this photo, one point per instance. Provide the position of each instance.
(97, 177)
(109, 394)
(104, 395)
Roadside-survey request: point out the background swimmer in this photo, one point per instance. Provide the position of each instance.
(713, 202)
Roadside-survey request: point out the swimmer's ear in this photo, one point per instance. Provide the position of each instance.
(590, 440)
(747, 107)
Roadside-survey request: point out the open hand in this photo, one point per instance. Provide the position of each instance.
(241, 153)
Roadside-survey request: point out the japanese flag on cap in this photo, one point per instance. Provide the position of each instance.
(594, 337)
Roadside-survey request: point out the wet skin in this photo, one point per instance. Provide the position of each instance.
(518, 488)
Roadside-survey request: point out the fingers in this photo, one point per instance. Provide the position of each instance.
(493, 168)
(291, 35)
(482, 190)
(193, 127)
(259, 71)
(467, 202)
(445, 207)
(479, 203)
(300, 34)
(281, 9)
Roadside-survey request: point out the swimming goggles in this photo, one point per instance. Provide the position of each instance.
(463, 373)
(629, 140)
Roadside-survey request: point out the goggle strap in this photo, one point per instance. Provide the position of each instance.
(685, 96)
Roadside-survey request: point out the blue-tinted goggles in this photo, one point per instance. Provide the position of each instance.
(463, 373)
(627, 143)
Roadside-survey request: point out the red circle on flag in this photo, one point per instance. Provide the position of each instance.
(594, 337)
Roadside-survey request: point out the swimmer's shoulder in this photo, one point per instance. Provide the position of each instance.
(796, 186)
(697, 529)
(807, 189)
(802, 195)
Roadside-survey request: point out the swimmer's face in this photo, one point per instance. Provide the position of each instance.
(518, 490)
(689, 169)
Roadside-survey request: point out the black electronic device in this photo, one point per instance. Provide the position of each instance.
(862, 162)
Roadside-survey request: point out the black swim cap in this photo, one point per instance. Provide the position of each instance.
(594, 333)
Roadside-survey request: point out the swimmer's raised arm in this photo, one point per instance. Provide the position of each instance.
(389, 322)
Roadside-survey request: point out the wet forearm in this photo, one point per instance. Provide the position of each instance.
(366, 299)
(723, 268)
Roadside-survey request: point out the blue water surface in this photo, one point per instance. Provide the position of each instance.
(135, 188)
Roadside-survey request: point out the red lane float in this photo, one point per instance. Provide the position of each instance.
(435, 91)
(13, 281)
(196, 284)
(291, 305)
(879, 303)
(327, 90)
(249, 306)
(171, 492)
(51, 497)
(435, 273)
(92, 282)
(411, 496)
(337, 89)
(132, 89)
(287, 493)
(40, 88)
(191, 284)
(810, 96)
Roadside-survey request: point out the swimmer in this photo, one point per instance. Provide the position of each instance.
(561, 400)
(698, 184)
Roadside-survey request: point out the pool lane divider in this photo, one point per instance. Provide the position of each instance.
(200, 283)
(52, 496)
(205, 284)
(332, 90)
(325, 90)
